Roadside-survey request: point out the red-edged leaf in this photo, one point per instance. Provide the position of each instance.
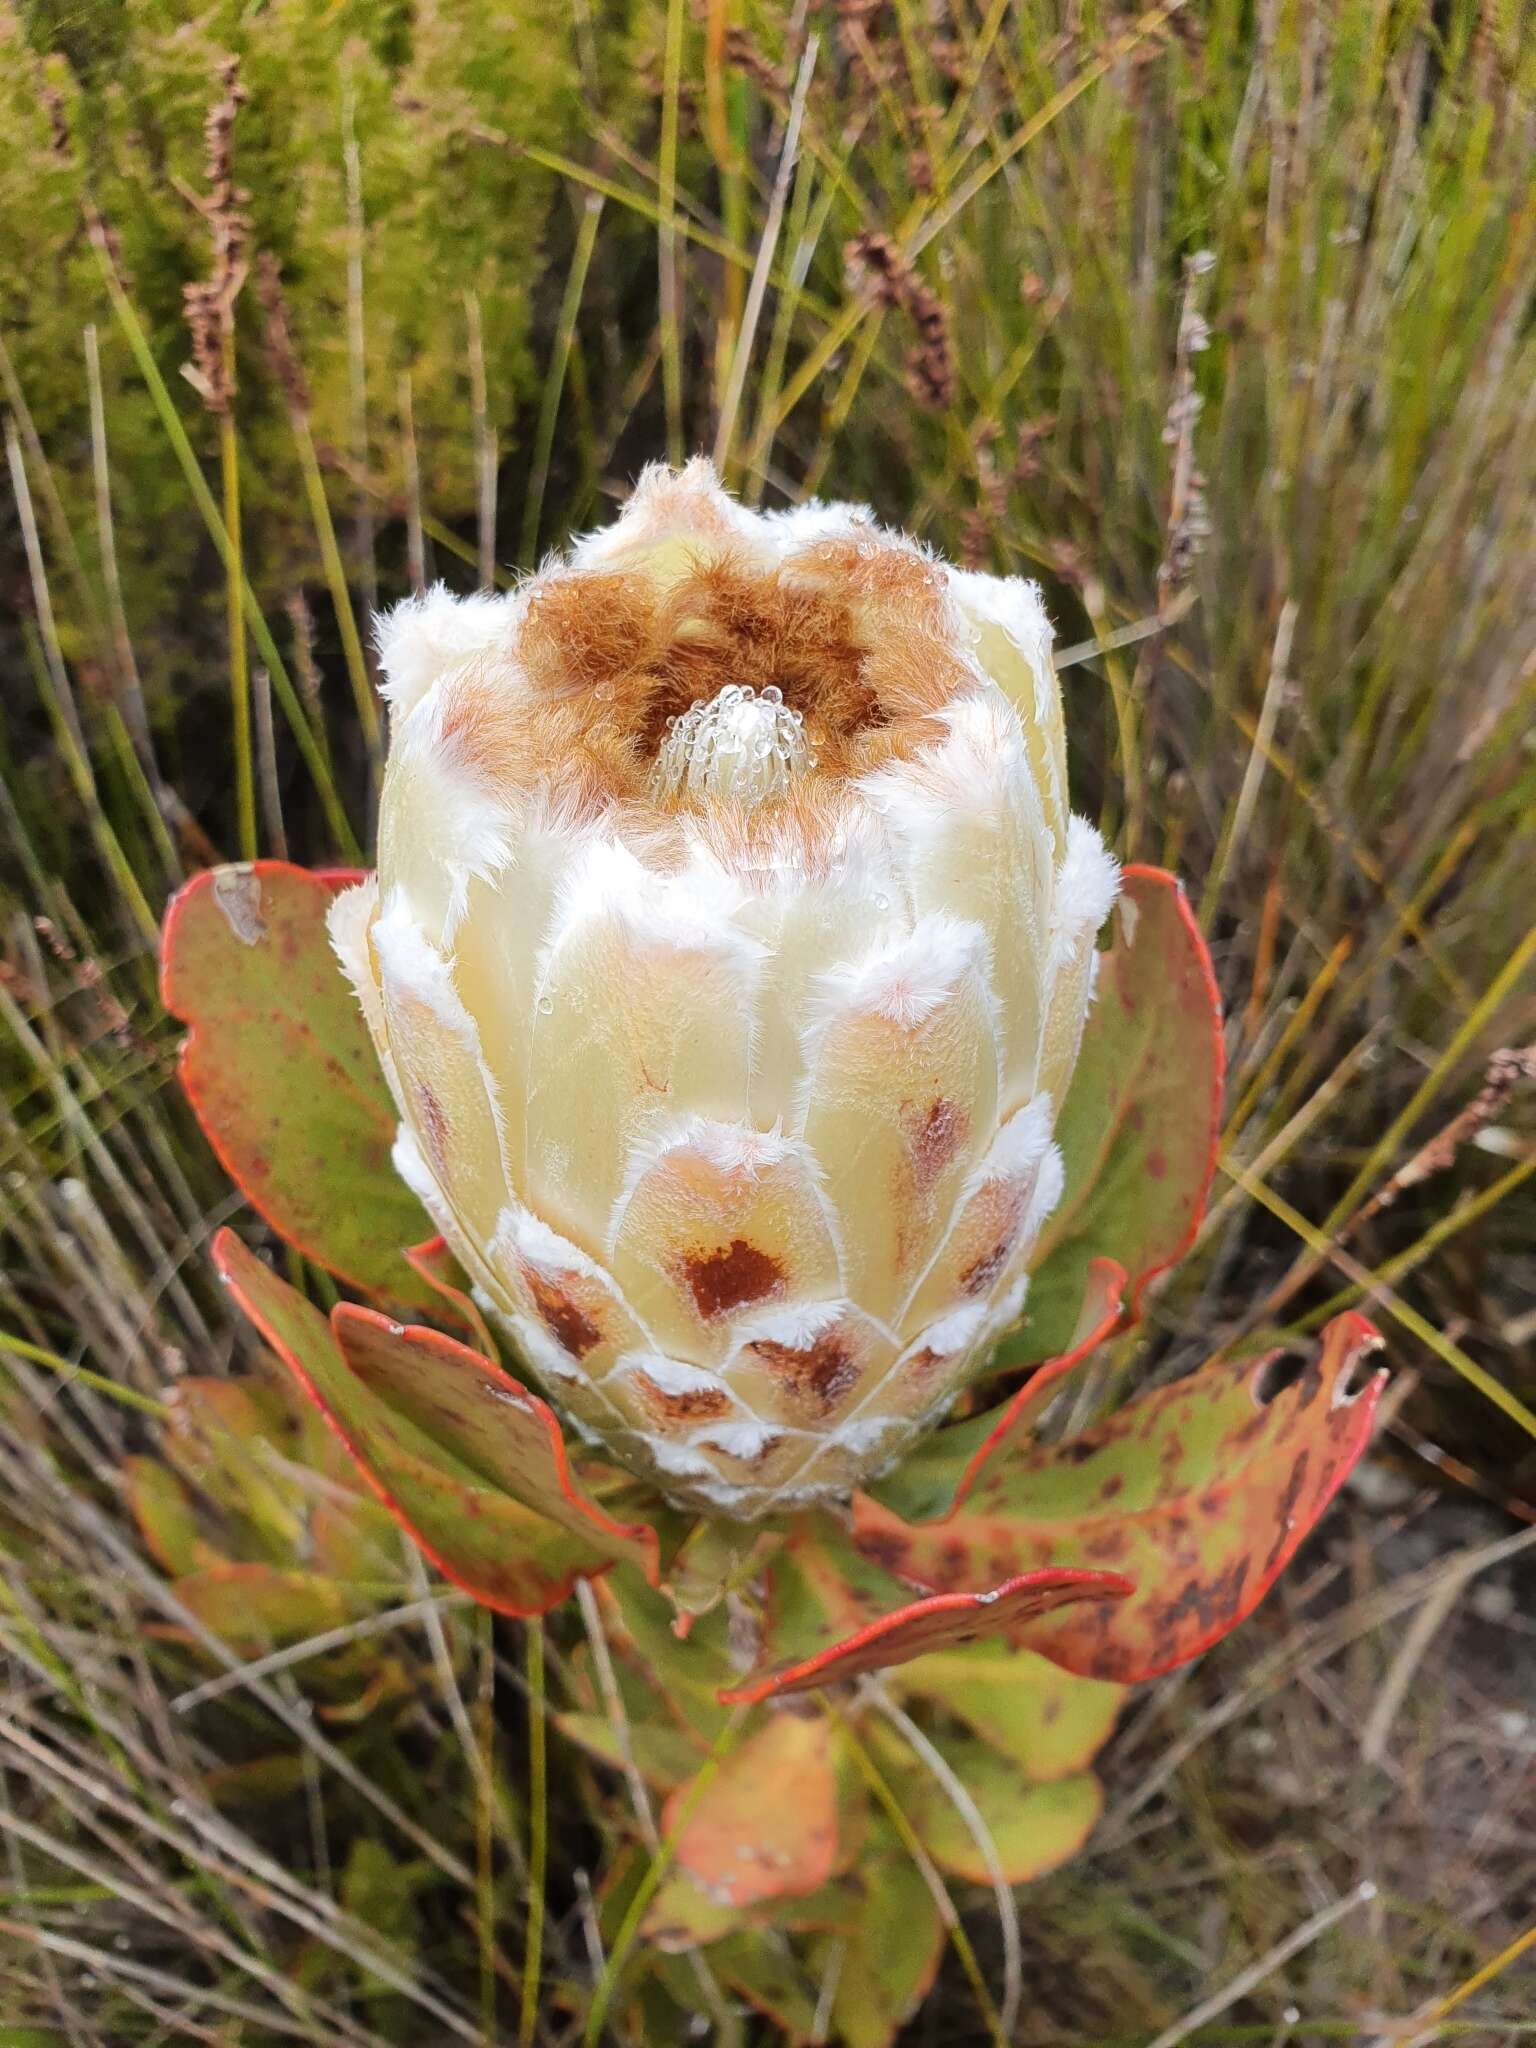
(489, 1423)
(1200, 1493)
(835, 1613)
(502, 1553)
(938, 1475)
(765, 1827)
(1138, 1130)
(434, 1263)
(280, 1070)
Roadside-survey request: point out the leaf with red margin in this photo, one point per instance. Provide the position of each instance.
(281, 1072)
(433, 1262)
(765, 1826)
(487, 1421)
(933, 1481)
(1138, 1131)
(499, 1551)
(834, 1613)
(1200, 1493)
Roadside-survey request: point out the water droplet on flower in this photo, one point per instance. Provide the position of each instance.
(740, 747)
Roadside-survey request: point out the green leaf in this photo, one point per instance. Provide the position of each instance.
(233, 1439)
(1034, 1828)
(891, 1957)
(833, 1612)
(681, 1917)
(261, 1607)
(378, 1891)
(498, 1550)
(163, 1509)
(281, 1072)
(1199, 1493)
(764, 1973)
(663, 1755)
(1045, 1720)
(1138, 1130)
(686, 1674)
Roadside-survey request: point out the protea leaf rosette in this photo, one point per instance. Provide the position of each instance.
(736, 1013)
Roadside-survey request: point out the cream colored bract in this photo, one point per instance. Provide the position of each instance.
(733, 1085)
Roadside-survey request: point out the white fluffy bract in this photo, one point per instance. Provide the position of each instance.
(748, 1151)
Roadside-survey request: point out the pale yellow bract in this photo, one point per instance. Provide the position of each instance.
(728, 957)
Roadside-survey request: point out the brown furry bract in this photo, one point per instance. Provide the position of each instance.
(856, 637)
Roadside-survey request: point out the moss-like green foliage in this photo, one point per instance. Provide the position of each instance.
(380, 148)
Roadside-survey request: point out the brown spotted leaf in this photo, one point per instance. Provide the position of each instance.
(834, 1613)
(1199, 1493)
(281, 1073)
(503, 1553)
(765, 1826)
(1138, 1130)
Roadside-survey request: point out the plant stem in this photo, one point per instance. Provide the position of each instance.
(538, 1832)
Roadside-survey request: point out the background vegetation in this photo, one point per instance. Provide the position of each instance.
(1218, 320)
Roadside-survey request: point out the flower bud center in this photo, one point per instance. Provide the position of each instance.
(742, 746)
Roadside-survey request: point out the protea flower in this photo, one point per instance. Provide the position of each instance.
(732, 966)
(728, 957)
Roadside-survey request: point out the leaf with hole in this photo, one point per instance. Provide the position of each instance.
(1199, 1494)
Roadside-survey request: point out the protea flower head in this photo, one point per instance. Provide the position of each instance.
(727, 958)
